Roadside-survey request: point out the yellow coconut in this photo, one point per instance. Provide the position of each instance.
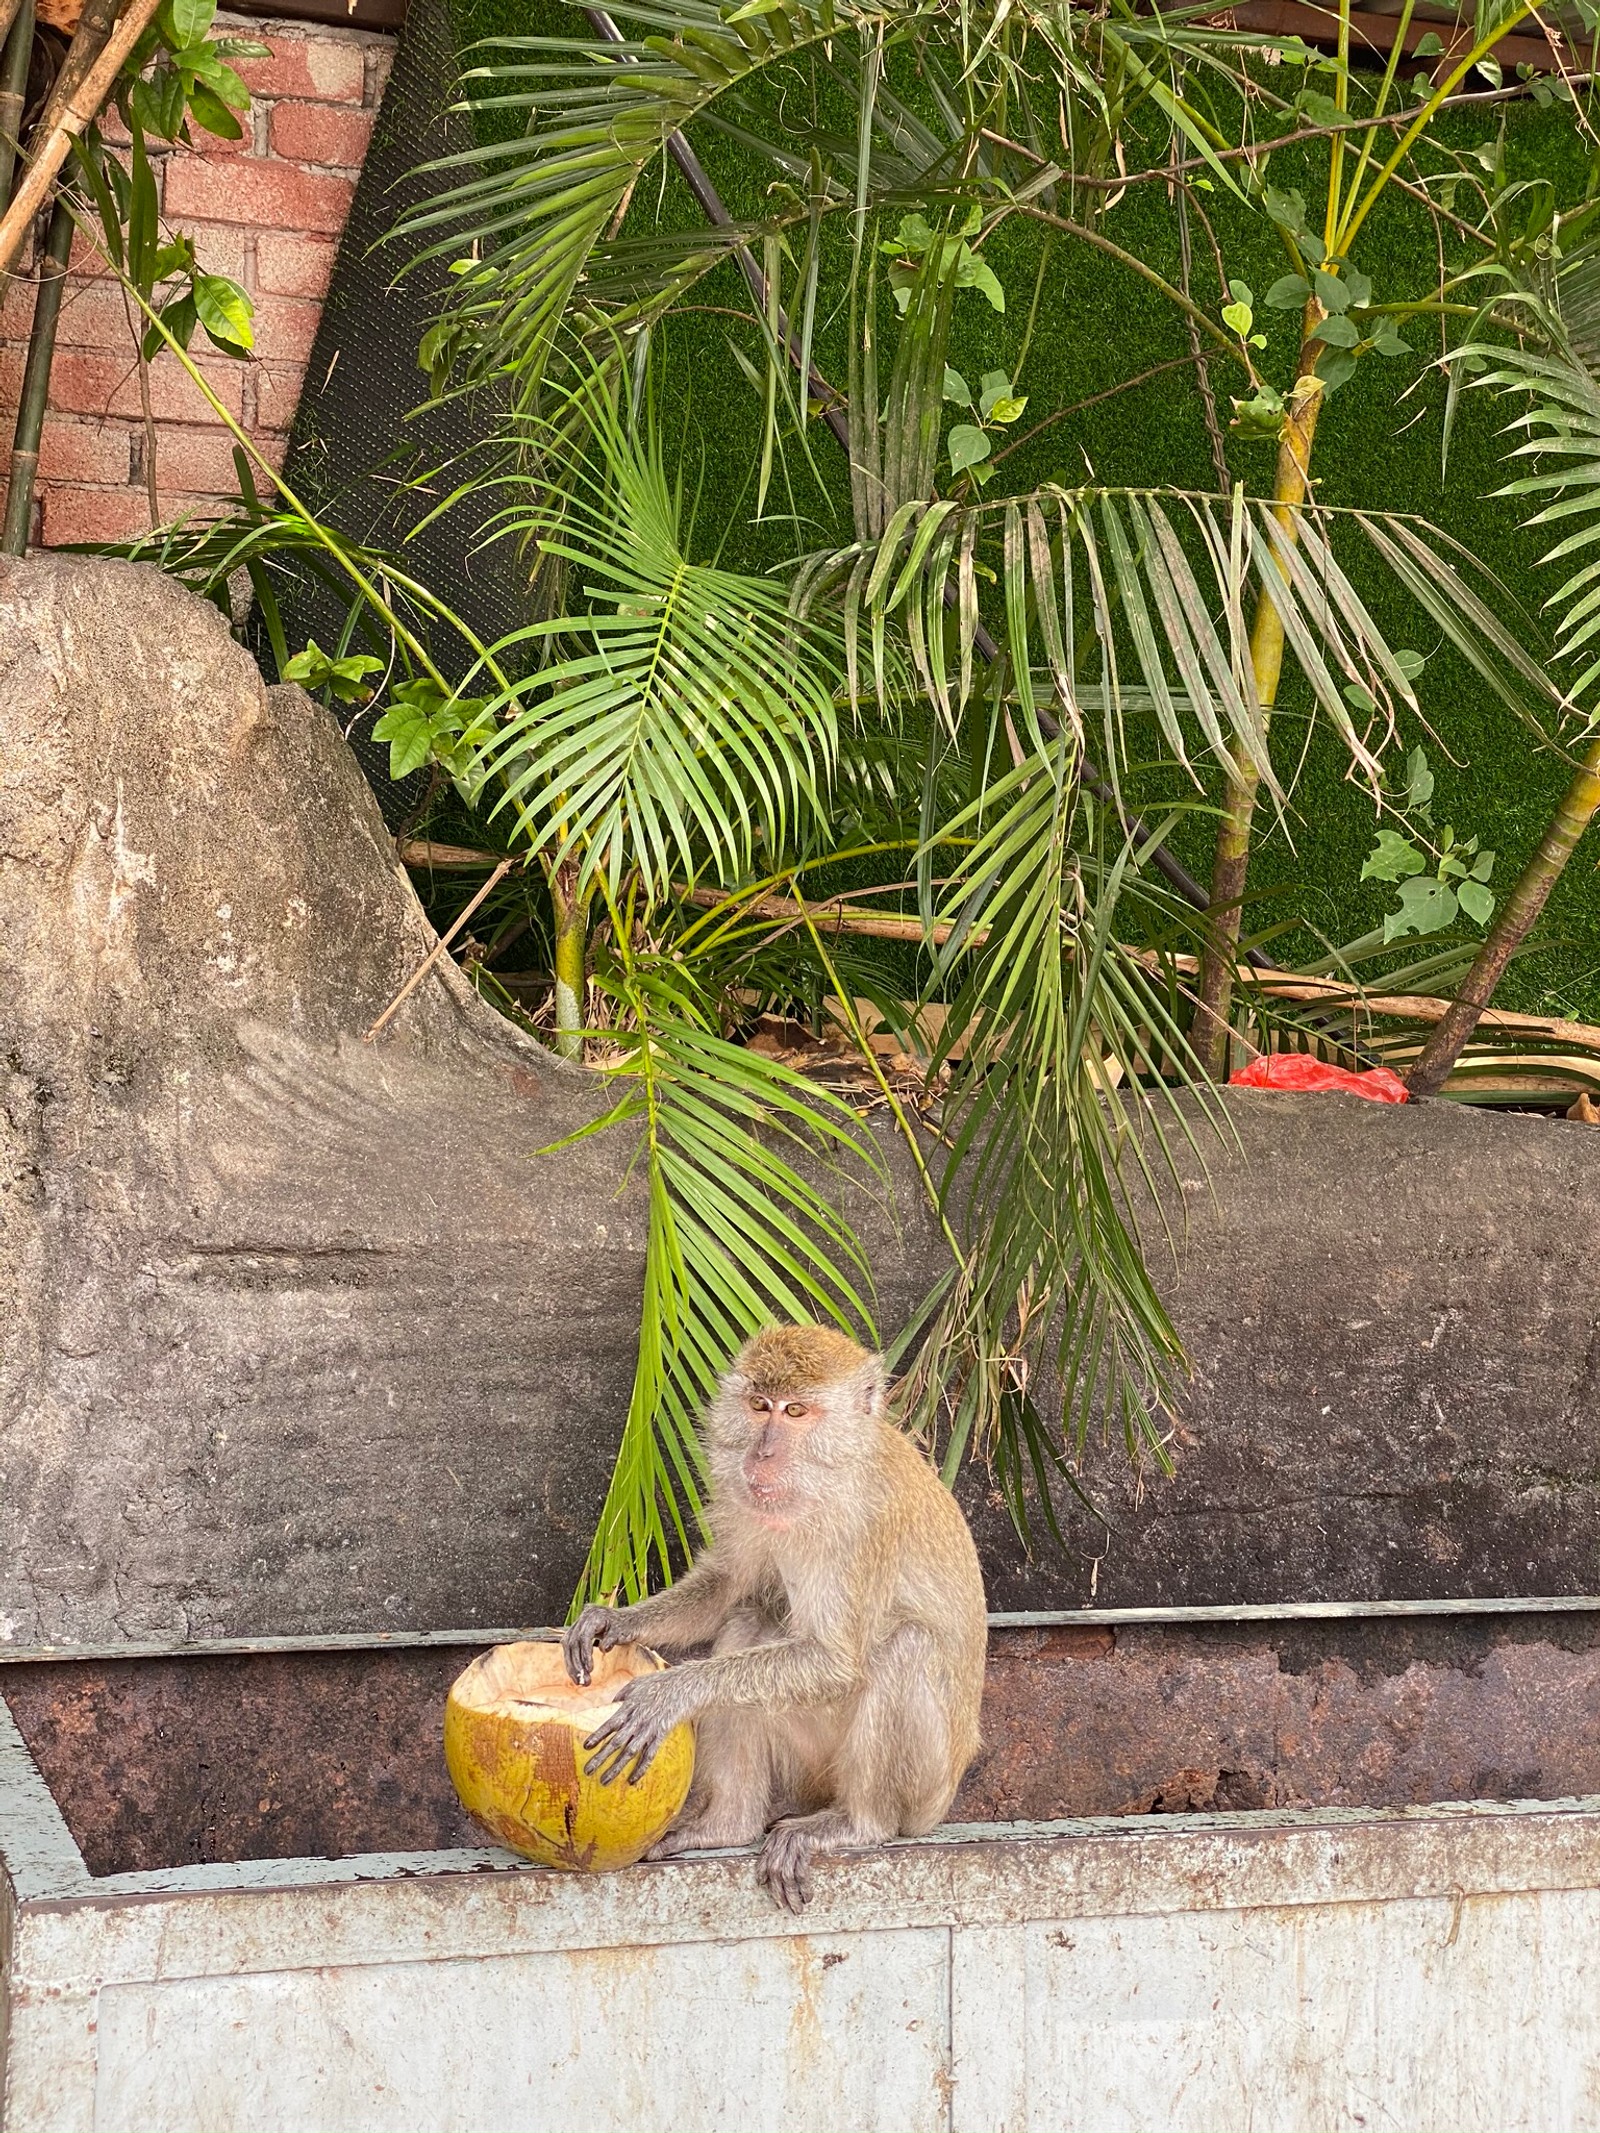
(514, 1729)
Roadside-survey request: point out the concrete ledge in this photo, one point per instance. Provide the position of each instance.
(1415, 1968)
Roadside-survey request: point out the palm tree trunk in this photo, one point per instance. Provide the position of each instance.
(1511, 928)
(1231, 863)
(571, 958)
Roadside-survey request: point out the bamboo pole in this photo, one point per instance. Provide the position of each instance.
(36, 382)
(95, 25)
(1230, 866)
(14, 87)
(76, 112)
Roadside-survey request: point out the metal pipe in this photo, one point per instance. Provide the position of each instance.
(36, 381)
(1045, 1618)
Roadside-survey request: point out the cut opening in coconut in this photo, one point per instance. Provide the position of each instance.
(524, 1680)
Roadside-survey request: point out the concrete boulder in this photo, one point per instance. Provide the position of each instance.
(300, 1337)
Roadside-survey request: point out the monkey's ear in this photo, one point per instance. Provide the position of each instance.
(872, 1390)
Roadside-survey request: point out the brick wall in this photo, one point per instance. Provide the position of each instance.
(268, 210)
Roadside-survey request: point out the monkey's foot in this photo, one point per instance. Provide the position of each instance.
(785, 1866)
(702, 1835)
(675, 1841)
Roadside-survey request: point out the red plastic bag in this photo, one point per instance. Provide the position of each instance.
(1298, 1070)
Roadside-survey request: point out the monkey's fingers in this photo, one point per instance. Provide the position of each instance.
(785, 1869)
(613, 1746)
(609, 1764)
(578, 1641)
(647, 1755)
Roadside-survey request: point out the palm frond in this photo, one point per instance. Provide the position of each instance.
(1120, 599)
(685, 717)
(540, 213)
(738, 1234)
(1066, 1058)
(1555, 373)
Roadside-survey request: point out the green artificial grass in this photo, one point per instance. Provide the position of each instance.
(1379, 446)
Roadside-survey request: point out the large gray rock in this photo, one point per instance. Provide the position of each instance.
(1391, 1314)
(300, 1336)
(299, 1333)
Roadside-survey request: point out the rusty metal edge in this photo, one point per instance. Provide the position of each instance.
(1044, 1618)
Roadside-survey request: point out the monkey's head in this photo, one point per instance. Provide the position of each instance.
(796, 1402)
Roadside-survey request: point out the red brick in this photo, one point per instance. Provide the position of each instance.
(289, 265)
(330, 70)
(219, 248)
(196, 460)
(16, 312)
(93, 315)
(285, 328)
(320, 133)
(79, 514)
(272, 446)
(269, 195)
(175, 503)
(86, 257)
(216, 147)
(83, 383)
(278, 393)
(85, 452)
(74, 514)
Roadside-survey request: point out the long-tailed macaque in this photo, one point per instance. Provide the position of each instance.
(843, 1604)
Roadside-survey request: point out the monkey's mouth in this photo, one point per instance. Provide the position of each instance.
(769, 1499)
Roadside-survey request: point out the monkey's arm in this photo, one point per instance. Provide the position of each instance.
(798, 1670)
(689, 1612)
(795, 1670)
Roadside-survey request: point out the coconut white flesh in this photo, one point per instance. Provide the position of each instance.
(530, 1682)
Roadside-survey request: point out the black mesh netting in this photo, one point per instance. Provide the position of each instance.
(355, 452)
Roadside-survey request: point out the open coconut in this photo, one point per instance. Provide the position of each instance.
(514, 1729)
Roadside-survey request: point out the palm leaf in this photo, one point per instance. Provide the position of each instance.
(681, 720)
(1058, 1123)
(1155, 589)
(1556, 374)
(738, 1233)
(539, 214)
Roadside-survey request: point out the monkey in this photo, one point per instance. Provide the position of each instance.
(842, 1600)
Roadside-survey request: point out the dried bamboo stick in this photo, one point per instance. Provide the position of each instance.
(77, 111)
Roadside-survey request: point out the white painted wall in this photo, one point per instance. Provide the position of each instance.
(1427, 1970)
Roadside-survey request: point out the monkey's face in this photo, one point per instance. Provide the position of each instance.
(778, 1438)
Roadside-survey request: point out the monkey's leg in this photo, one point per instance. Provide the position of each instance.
(741, 1761)
(892, 1773)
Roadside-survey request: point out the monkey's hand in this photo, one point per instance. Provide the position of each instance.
(596, 1625)
(647, 1710)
